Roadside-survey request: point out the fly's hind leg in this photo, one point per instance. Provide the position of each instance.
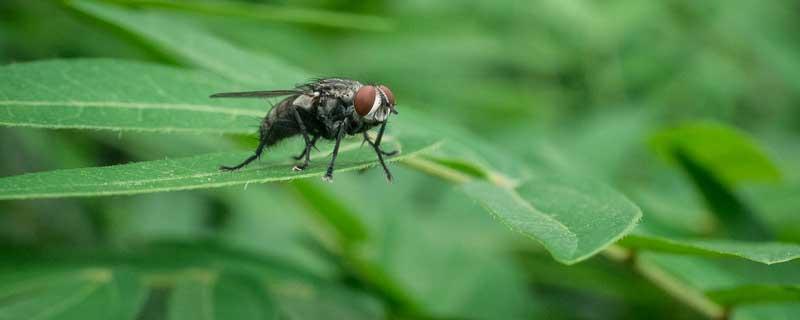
(339, 135)
(309, 142)
(259, 150)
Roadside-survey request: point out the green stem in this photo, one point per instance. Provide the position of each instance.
(674, 287)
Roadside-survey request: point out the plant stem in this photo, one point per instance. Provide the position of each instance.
(680, 291)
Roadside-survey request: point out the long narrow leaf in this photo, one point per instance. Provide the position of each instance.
(190, 173)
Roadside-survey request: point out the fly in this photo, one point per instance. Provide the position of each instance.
(327, 108)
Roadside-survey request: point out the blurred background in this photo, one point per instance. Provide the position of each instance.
(565, 85)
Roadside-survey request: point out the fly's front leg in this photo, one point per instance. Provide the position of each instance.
(339, 135)
(378, 151)
(377, 144)
(309, 143)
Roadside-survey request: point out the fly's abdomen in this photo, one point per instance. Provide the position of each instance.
(279, 124)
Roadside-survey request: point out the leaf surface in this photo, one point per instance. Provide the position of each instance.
(120, 95)
(572, 219)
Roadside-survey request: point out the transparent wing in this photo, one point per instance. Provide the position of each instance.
(255, 94)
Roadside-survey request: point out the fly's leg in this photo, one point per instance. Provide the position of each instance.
(379, 152)
(259, 150)
(309, 143)
(377, 143)
(339, 134)
(307, 148)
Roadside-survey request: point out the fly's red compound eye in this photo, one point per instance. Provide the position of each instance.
(365, 100)
(388, 93)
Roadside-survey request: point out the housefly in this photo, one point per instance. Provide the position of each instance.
(327, 108)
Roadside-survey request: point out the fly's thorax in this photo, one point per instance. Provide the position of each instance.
(339, 88)
(306, 101)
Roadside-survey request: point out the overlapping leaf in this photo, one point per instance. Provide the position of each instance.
(763, 252)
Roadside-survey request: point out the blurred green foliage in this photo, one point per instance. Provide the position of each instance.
(688, 108)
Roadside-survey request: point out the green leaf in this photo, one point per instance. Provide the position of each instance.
(185, 281)
(348, 228)
(309, 301)
(729, 153)
(285, 226)
(767, 311)
(120, 95)
(778, 205)
(194, 172)
(572, 219)
(84, 293)
(264, 12)
(205, 295)
(731, 281)
(763, 252)
(179, 38)
(739, 220)
(716, 158)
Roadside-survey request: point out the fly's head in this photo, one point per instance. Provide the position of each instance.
(374, 103)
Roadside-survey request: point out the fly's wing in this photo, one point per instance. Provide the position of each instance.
(255, 94)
